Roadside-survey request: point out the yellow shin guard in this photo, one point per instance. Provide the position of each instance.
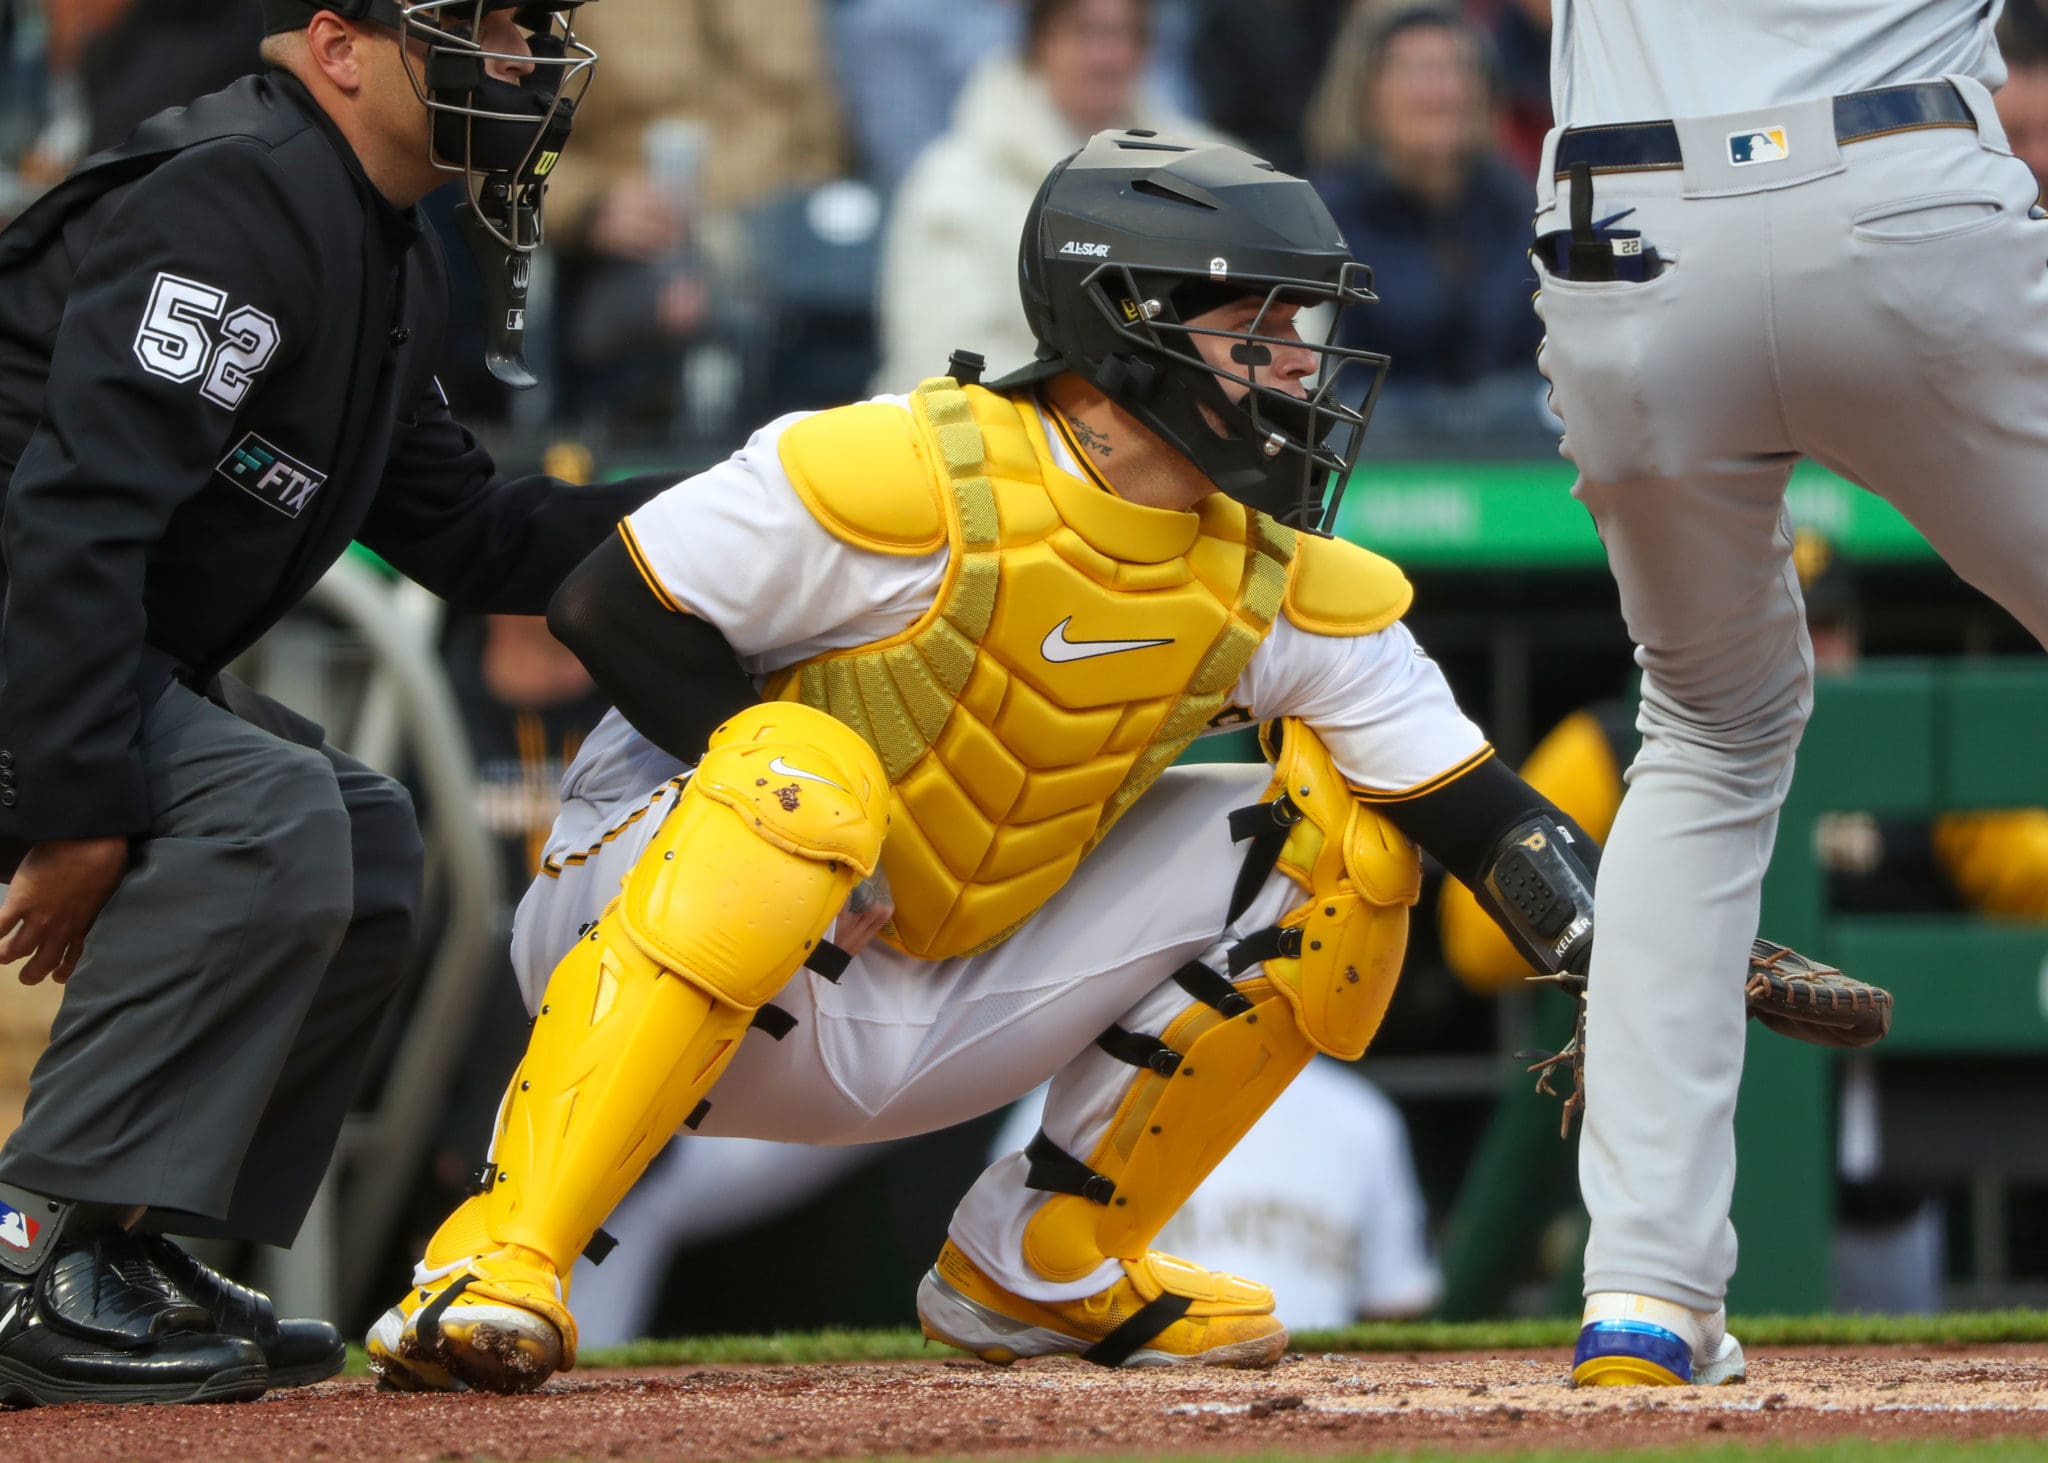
(784, 815)
(1329, 968)
(1199, 1088)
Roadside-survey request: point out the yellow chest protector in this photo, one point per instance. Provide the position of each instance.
(1077, 644)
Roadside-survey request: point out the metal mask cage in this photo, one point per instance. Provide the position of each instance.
(561, 69)
(1276, 420)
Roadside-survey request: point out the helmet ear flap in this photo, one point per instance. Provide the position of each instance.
(1121, 374)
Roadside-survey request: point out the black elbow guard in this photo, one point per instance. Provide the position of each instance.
(1539, 891)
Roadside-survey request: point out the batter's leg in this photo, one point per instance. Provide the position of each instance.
(1671, 415)
(1917, 352)
(1711, 597)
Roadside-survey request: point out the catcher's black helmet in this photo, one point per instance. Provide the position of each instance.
(504, 137)
(1136, 234)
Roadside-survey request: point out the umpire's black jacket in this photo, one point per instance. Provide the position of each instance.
(216, 354)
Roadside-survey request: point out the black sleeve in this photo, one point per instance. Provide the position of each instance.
(672, 675)
(1462, 823)
(133, 421)
(443, 517)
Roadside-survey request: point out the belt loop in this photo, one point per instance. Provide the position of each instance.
(1977, 99)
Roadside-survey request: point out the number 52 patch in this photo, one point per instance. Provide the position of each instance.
(177, 339)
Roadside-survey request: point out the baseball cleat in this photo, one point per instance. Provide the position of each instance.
(1636, 1341)
(495, 1323)
(1164, 1312)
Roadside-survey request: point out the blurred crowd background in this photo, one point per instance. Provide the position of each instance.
(777, 205)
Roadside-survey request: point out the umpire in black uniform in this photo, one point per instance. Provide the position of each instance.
(216, 348)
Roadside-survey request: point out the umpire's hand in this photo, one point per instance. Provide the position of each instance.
(56, 895)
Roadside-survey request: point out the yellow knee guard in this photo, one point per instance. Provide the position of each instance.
(785, 814)
(1330, 967)
(1337, 955)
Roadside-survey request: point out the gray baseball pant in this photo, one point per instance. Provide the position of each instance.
(219, 1019)
(1882, 308)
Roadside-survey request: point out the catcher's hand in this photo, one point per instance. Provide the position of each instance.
(1792, 995)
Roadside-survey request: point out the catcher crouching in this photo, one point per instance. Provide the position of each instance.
(884, 831)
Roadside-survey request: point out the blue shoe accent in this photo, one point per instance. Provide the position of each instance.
(1638, 1340)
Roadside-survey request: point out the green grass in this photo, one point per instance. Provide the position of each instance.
(1960, 1328)
(802, 1348)
(805, 1348)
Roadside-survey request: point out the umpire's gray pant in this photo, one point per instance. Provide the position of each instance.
(1882, 308)
(218, 1021)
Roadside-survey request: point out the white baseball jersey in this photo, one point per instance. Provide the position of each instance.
(901, 1045)
(1637, 60)
(737, 546)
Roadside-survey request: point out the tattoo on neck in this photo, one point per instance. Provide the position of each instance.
(1095, 441)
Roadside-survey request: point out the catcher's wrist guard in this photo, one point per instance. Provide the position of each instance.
(1539, 891)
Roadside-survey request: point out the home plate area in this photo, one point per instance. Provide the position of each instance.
(1497, 1403)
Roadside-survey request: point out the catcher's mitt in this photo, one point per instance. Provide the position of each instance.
(1792, 995)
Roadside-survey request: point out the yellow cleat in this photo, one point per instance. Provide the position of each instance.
(1164, 1312)
(495, 1323)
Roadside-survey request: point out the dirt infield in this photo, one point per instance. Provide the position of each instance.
(1309, 1404)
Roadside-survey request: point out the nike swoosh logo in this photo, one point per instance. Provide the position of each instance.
(1058, 649)
(782, 769)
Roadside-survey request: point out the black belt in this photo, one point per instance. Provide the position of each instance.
(1628, 147)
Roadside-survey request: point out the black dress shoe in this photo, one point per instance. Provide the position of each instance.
(99, 1323)
(298, 1352)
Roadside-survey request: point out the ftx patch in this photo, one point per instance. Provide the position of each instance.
(267, 472)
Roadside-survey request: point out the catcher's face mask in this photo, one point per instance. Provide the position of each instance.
(503, 133)
(1285, 453)
(504, 137)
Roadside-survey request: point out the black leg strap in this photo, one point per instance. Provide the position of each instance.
(428, 1327)
(777, 1022)
(602, 1243)
(1266, 825)
(1056, 1171)
(1280, 814)
(1120, 1345)
(828, 960)
(1140, 1050)
(1212, 990)
(1271, 943)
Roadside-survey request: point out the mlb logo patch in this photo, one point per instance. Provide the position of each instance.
(17, 1230)
(267, 472)
(1761, 145)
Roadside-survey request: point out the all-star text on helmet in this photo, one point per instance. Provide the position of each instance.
(1133, 237)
